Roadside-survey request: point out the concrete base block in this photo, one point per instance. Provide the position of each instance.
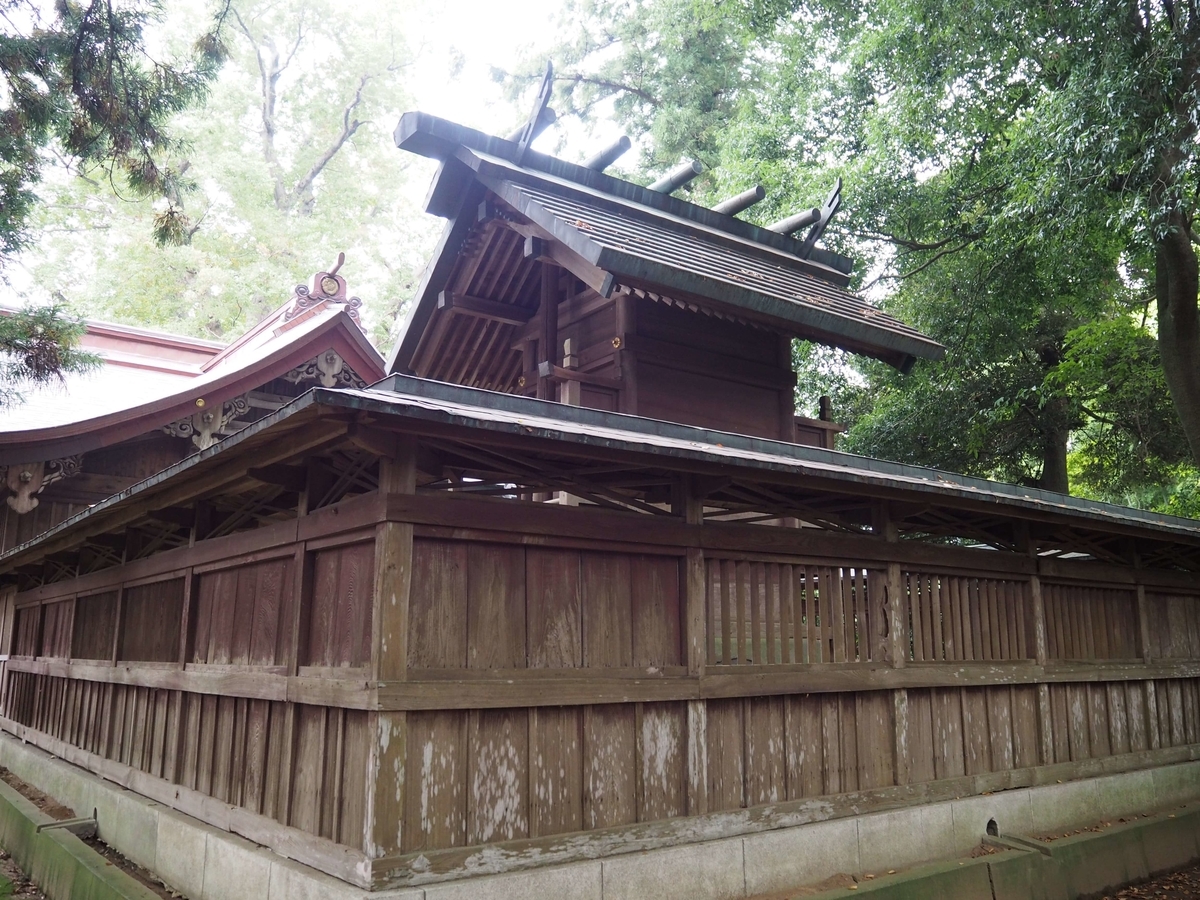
(1170, 842)
(906, 837)
(1011, 810)
(1060, 807)
(1018, 875)
(778, 860)
(1125, 795)
(181, 848)
(235, 869)
(1176, 784)
(713, 870)
(134, 829)
(582, 881)
(967, 880)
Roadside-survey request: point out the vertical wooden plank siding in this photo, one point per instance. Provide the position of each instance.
(437, 607)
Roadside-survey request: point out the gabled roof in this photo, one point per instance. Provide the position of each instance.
(148, 379)
(615, 232)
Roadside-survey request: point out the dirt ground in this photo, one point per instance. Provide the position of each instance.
(1181, 885)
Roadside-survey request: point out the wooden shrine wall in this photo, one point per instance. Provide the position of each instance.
(710, 372)
(572, 670)
(569, 624)
(240, 678)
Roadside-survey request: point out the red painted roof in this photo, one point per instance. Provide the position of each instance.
(149, 379)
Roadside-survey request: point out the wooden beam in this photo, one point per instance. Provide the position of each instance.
(479, 308)
(182, 517)
(559, 373)
(293, 478)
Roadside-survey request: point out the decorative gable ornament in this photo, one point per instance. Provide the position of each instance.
(327, 287)
(329, 369)
(206, 426)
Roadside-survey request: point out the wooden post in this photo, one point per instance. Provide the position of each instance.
(569, 391)
(896, 646)
(902, 767)
(691, 508)
(189, 599)
(1143, 613)
(1037, 619)
(1152, 714)
(626, 362)
(1036, 630)
(388, 752)
(548, 343)
(118, 624)
(1045, 724)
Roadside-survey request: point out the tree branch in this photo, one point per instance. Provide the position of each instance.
(903, 243)
(348, 129)
(610, 85)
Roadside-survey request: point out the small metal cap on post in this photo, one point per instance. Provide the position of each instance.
(794, 223)
(609, 154)
(678, 177)
(741, 202)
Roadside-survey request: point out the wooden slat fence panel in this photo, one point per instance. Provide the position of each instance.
(338, 631)
(953, 618)
(27, 631)
(150, 624)
(241, 613)
(229, 747)
(1173, 625)
(94, 626)
(769, 613)
(498, 606)
(56, 629)
(1090, 623)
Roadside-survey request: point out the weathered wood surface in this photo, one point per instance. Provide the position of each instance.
(418, 676)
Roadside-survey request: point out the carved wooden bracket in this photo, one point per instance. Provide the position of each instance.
(208, 425)
(26, 480)
(329, 369)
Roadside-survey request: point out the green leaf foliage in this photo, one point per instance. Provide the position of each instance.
(1013, 172)
(290, 162)
(77, 78)
(39, 344)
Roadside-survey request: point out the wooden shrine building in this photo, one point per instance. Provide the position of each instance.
(157, 398)
(568, 586)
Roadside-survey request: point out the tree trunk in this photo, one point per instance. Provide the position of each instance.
(1054, 453)
(1176, 285)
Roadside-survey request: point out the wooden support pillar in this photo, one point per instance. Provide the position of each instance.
(1037, 620)
(1152, 714)
(896, 645)
(189, 595)
(1143, 613)
(900, 750)
(1037, 623)
(388, 751)
(690, 507)
(548, 320)
(626, 362)
(118, 625)
(1045, 724)
(1035, 630)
